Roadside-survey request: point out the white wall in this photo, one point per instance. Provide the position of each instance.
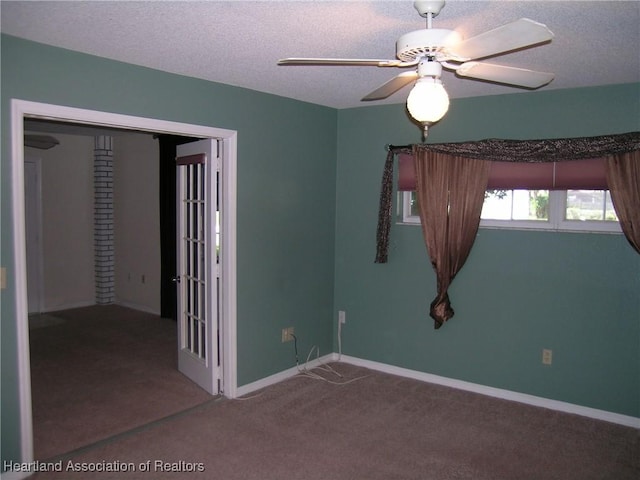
(67, 222)
(137, 221)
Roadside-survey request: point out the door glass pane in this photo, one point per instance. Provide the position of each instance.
(194, 303)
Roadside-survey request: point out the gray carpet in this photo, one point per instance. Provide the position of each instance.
(378, 427)
(43, 320)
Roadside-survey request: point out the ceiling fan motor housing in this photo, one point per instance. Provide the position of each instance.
(429, 68)
(427, 42)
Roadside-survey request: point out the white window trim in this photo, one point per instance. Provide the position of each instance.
(556, 222)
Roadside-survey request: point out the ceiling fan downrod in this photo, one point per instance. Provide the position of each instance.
(428, 9)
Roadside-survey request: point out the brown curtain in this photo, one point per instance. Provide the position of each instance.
(450, 195)
(623, 177)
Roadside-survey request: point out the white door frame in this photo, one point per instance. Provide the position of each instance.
(21, 109)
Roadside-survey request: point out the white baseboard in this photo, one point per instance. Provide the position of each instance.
(495, 392)
(68, 306)
(280, 376)
(135, 306)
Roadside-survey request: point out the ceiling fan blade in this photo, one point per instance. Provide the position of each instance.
(392, 86)
(500, 74)
(519, 34)
(341, 61)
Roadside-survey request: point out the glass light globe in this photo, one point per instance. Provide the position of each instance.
(428, 101)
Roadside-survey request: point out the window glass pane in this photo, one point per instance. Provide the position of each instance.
(415, 210)
(610, 214)
(497, 204)
(590, 205)
(516, 205)
(538, 204)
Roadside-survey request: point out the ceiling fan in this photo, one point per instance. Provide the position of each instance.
(431, 49)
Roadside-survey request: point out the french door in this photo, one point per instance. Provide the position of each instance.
(198, 268)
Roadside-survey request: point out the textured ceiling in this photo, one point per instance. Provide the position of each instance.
(240, 42)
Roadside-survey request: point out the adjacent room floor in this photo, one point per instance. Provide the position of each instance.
(100, 371)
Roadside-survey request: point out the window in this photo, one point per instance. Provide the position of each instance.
(562, 210)
(590, 205)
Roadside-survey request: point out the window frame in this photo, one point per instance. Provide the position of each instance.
(556, 222)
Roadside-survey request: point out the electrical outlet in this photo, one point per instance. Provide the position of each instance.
(547, 356)
(287, 334)
(342, 316)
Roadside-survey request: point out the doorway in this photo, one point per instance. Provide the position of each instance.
(21, 110)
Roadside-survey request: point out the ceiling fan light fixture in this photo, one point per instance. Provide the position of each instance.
(431, 49)
(428, 101)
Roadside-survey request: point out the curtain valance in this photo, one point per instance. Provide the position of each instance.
(550, 150)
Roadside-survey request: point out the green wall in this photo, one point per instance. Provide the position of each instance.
(308, 186)
(286, 196)
(519, 292)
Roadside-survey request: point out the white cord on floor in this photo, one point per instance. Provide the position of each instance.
(309, 373)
